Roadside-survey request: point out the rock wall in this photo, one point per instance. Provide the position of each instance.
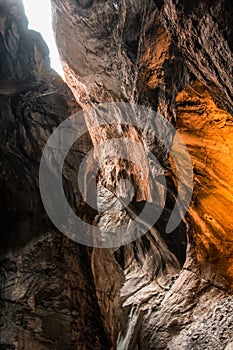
(210, 144)
(146, 52)
(48, 289)
(163, 291)
(203, 32)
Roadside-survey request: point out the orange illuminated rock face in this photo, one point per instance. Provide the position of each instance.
(207, 132)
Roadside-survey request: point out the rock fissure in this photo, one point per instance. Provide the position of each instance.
(162, 291)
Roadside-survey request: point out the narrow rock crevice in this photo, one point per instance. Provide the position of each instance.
(164, 290)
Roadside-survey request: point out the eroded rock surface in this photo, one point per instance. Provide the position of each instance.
(207, 131)
(163, 291)
(48, 294)
(203, 31)
(121, 51)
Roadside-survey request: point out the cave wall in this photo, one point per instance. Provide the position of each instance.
(147, 52)
(203, 32)
(118, 51)
(162, 291)
(209, 141)
(47, 296)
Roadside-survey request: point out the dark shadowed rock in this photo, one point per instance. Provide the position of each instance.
(48, 298)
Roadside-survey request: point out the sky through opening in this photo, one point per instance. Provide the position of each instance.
(39, 14)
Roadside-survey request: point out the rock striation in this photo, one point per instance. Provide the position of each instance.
(162, 291)
(46, 279)
(153, 51)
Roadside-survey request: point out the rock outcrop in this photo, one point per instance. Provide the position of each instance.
(144, 52)
(203, 32)
(48, 287)
(162, 291)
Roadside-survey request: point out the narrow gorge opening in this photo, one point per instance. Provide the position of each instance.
(39, 15)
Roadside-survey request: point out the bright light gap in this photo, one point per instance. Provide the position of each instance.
(39, 14)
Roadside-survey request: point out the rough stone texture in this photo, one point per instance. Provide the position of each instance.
(195, 311)
(207, 132)
(104, 65)
(118, 51)
(162, 291)
(121, 51)
(203, 31)
(48, 294)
